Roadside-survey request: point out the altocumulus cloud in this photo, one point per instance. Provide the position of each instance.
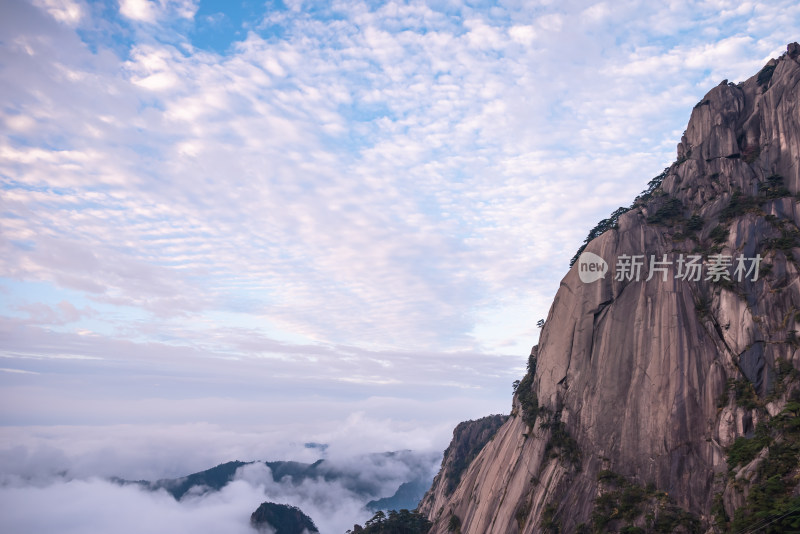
(392, 174)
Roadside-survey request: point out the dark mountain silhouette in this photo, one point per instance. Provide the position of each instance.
(282, 519)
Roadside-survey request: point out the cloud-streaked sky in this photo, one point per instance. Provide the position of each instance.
(325, 219)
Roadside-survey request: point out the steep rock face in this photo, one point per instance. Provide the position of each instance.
(645, 383)
(469, 438)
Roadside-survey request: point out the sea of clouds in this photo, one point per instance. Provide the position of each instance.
(57, 479)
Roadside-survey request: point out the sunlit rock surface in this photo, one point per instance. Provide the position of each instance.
(650, 379)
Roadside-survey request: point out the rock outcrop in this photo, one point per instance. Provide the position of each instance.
(281, 519)
(469, 438)
(642, 391)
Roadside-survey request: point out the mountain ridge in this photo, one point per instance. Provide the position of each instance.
(409, 491)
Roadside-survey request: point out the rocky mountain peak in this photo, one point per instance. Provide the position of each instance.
(746, 123)
(654, 373)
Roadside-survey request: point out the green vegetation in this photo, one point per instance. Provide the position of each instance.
(773, 187)
(771, 505)
(522, 513)
(723, 398)
(469, 438)
(718, 511)
(702, 306)
(611, 221)
(562, 444)
(526, 395)
(402, 522)
(670, 212)
(548, 522)
(719, 234)
(610, 477)
(599, 229)
(652, 185)
(623, 503)
(282, 518)
(694, 224)
(792, 339)
(745, 449)
(745, 394)
(454, 524)
(739, 205)
(787, 241)
(785, 373)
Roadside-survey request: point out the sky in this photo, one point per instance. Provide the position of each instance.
(230, 227)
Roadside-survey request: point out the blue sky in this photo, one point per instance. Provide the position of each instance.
(328, 220)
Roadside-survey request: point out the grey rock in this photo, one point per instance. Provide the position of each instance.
(469, 438)
(635, 370)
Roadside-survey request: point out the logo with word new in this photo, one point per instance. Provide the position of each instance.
(591, 267)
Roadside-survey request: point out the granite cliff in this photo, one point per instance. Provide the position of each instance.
(663, 396)
(469, 438)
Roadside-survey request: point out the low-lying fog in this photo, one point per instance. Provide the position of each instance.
(56, 479)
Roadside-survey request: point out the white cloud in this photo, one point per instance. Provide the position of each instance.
(551, 22)
(374, 205)
(123, 509)
(151, 11)
(522, 34)
(65, 463)
(596, 12)
(240, 123)
(69, 12)
(18, 371)
(143, 10)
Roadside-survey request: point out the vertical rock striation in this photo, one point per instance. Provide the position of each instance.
(643, 386)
